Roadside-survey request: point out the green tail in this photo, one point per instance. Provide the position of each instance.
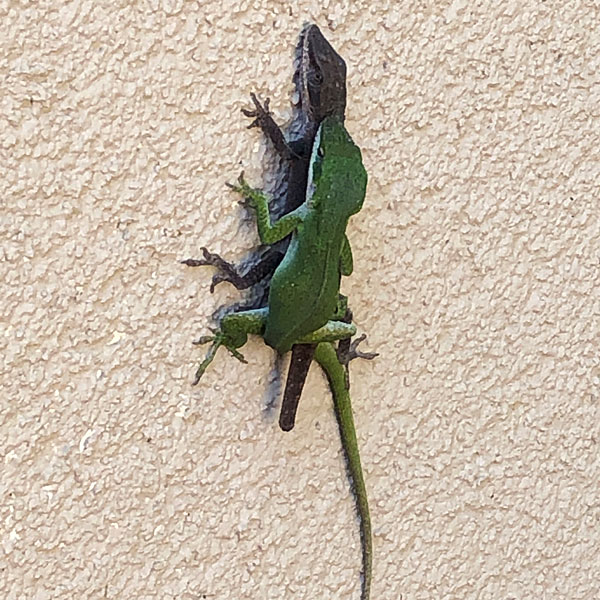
(326, 356)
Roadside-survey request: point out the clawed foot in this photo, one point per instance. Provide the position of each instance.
(200, 262)
(347, 351)
(228, 272)
(244, 189)
(250, 196)
(263, 119)
(218, 339)
(260, 114)
(346, 354)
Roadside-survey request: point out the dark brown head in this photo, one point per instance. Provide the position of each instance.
(321, 76)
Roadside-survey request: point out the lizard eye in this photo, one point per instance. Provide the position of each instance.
(317, 77)
(320, 152)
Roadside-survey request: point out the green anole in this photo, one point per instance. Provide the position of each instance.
(321, 83)
(304, 304)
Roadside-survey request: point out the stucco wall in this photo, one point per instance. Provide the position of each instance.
(477, 268)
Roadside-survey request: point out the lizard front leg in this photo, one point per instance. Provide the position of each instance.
(269, 234)
(263, 120)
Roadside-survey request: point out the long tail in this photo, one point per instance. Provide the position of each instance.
(326, 356)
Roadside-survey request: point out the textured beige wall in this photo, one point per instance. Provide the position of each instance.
(477, 274)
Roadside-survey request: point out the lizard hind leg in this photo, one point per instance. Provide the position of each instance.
(233, 334)
(332, 331)
(228, 272)
(217, 341)
(347, 350)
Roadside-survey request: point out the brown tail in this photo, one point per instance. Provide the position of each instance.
(302, 355)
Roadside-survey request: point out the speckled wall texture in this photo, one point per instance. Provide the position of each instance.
(477, 274)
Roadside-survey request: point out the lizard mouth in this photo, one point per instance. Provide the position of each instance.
(305, 58)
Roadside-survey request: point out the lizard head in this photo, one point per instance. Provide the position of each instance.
(321, 76)
(337, 177)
